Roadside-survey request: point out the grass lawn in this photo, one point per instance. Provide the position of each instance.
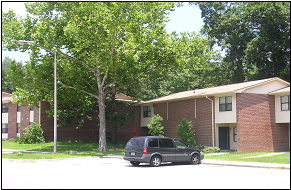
(235, 156)
(84, 149)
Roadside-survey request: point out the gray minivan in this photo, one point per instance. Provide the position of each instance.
(155, 150)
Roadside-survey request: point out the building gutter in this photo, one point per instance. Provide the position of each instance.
(212, 120)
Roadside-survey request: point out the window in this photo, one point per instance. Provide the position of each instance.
(180, 144)
(166, 143)
(135, 142)
(146, 111)
(31, 109)
(5, 108)
(285, 103)
(235, 134)
(18, 108)
(4, 128)
(153, 143)
(225, 103)
(18, 128)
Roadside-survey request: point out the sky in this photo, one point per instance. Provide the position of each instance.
(185, 18)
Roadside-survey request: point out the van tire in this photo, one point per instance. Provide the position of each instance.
(195, 159)
(156, 161)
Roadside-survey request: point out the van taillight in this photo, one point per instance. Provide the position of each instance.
(145, 150)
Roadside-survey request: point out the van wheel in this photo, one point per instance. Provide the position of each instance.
(135, 163)
(156, 161)
(195, 159)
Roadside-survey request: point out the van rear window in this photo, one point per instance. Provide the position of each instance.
(136, 142)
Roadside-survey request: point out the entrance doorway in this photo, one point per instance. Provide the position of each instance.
(224, 138)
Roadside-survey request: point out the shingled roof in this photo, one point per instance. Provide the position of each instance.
(6, 97)
(231, 88)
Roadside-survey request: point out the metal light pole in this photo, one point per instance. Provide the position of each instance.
(21, 42)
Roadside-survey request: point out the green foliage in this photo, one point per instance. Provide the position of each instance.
(254, 35)
(208, 149)
(16, 139)
(118, 113)
(156, 127)
(33, 135)
(4, 80)
(196, 66)
(102, 47)
(185, 132)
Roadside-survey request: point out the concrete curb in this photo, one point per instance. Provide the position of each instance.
(246, 164)
(6, 151)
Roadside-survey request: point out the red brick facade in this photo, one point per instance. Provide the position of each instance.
(90, 130)
(178, 110)
(256, 127)
(12, 120)
(24, 119)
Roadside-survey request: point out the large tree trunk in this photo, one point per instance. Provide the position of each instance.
(102, 119)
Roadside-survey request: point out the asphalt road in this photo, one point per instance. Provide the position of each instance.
(112, 173)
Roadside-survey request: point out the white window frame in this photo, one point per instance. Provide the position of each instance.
(225, 104)
(286, 103)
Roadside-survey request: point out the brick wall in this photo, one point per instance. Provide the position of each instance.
(256, 127)
(90, 130)
(178, 110)
(24, 120)
(36, 114)
(12, 120)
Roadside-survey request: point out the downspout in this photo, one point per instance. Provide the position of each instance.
(212, 123)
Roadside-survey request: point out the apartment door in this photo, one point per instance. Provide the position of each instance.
(224, 138)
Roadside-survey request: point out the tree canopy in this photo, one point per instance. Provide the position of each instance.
(102, 47)
(6, 62)
(254, 35)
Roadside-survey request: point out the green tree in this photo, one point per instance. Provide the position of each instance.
(268, 54)
(6, 62)
(102, 47)
(185, 132)
(118, 113)
(198, 66)
(156, 126)
(254, 35)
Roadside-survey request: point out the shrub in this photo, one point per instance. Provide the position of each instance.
(208, 149)
(185, 133)
(156, 127)
(33, 135)
(16, 139)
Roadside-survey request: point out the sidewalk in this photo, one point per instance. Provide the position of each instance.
(246, 164)
(204, 161)
(8, 151)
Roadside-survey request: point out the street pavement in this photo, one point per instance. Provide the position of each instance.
(116, 173)
(204, 161)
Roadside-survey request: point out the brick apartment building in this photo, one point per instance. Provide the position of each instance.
(247, 117)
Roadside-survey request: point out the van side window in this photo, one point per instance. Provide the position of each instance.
(166, 143)
(153, 143)
(180, 144)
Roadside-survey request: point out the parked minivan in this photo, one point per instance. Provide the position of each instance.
(155, 150)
